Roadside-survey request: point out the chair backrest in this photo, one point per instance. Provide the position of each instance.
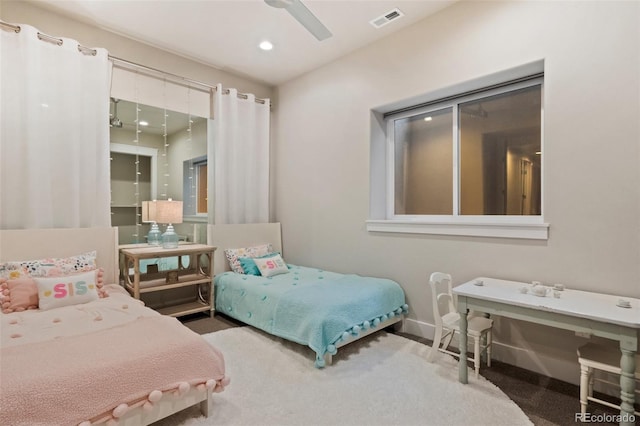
(437, 281)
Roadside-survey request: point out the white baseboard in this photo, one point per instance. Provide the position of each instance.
(558, 368)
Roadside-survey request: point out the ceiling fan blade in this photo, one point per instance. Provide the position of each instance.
(303, 15)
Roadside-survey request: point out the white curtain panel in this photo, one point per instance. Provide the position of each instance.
(54, 133)
(241, 153)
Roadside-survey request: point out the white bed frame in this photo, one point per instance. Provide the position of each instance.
(247, 235)
(27, 244)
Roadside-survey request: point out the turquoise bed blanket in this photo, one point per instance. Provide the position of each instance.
(310, 306)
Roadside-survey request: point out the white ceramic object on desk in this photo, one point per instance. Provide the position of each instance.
(622, 303)
(540, 290)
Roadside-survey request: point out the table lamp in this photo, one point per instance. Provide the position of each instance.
(154, 237)
(169, 212)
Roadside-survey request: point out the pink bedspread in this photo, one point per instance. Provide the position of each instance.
(93, 376)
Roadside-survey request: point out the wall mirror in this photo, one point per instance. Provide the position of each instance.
(150, 163)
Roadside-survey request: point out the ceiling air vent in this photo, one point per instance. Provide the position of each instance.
(383, 20)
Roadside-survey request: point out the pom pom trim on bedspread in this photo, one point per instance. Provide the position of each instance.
(354, 331)
(112, 417)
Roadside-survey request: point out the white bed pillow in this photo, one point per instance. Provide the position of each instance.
(55, 292)
(270, 266)
(49, 267)
(254, 251)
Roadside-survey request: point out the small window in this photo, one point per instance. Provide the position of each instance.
(474, 158)
(201, 187)
(195, 186)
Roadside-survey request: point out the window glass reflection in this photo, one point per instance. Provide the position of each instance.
(424, 164)
(500, 154)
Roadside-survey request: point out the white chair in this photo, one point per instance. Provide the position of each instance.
(447, 321)
(598, 357)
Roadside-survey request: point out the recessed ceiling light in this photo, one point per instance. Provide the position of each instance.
(143, 123)
(428, 118)
(266, 45)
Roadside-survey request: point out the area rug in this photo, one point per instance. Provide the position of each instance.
(383, 379)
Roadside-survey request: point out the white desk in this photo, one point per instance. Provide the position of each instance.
(575, 310)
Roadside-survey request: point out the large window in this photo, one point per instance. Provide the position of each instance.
(470, 159)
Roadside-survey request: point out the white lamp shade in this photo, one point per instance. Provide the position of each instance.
(168, 211)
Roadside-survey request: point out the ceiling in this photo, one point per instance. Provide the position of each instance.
(225, 33)
(155, 117)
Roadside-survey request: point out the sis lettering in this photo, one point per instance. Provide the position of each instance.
(69, 289)
(273, 264)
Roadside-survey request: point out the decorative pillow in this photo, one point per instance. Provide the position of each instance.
(12, 270)
(255, 251)
(18, 295)
(49, 267)
(54, 292)
(249, 266)
(269, 266)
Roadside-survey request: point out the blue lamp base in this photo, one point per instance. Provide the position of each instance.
(169, 238)
(154, 237)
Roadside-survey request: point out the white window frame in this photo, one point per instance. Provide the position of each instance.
(502, 226)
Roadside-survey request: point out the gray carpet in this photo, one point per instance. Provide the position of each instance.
(546, 401)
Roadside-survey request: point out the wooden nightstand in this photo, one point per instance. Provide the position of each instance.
(198, 272)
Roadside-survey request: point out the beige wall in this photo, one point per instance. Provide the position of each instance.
(591, 166)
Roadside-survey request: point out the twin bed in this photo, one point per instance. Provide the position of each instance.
(321, 309)
(112, 360)
(104, 361)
